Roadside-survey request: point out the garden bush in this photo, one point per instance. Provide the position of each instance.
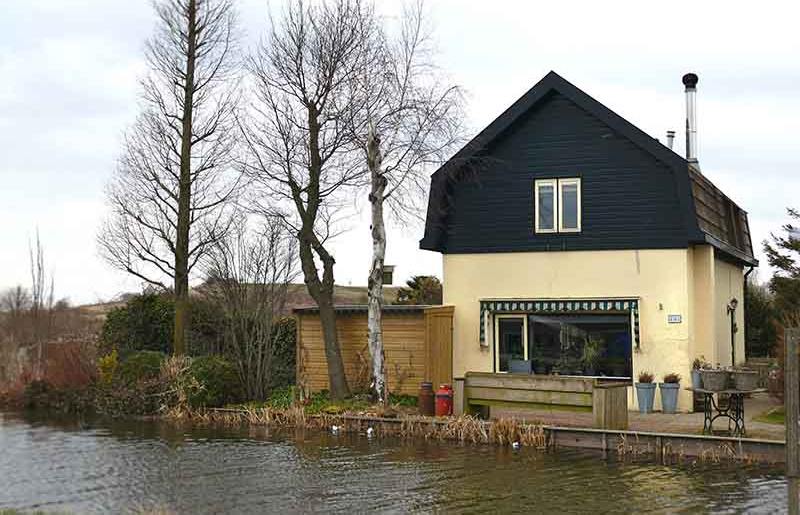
(144, 323)
(142, 365)
(283, 362)
(41, 395)
(219, 380)
(107, 368)
(143, 397)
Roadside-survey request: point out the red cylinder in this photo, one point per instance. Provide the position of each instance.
(444, 401)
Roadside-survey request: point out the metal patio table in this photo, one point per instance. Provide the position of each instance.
(733, 412)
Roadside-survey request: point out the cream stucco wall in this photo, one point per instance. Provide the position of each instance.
(703, 323)
(681, 282)
(728, 284)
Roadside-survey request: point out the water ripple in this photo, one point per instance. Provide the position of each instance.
(123, 467)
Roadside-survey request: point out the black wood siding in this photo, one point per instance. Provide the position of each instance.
(629, 198)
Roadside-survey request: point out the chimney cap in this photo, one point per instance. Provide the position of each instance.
(690, 80)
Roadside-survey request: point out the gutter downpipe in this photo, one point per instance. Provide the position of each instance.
(745, 306)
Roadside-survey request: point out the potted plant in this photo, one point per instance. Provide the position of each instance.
(645, 392)
(715, 379)
(698, 365)
(669, 392)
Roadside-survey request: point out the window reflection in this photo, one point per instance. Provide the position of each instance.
(596, 345)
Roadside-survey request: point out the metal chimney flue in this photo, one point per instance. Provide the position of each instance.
(670, 139)
(690, 82)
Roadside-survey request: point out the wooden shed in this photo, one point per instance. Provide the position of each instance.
(417, 343)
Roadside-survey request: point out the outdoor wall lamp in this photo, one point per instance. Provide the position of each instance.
(732, 305)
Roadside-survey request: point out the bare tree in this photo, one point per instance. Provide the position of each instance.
(42, 300)
(410, 122)
(248, 274)
(175, 179)
(15, 304)
(302, 155)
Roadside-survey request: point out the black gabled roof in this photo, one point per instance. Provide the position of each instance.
(730, 236)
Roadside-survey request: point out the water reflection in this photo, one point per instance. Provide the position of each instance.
(86, 467)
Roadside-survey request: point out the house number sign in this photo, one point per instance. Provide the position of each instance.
(674, 319)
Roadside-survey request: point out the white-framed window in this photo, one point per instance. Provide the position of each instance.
(569, 205)
(545, 205)
(557, 205)
(510, 340)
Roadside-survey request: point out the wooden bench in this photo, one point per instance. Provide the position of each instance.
(607, 400)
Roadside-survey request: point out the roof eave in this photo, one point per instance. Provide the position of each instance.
(730, 250)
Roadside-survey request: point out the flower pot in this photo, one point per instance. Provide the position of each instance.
(745, 380)
(669, 396)
(715, 380)
(645, 394)
(697, 379)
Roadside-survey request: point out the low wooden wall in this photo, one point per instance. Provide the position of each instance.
(607, 400)
(411, 352)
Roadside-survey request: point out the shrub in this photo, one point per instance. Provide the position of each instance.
(107, 367)
(218, 379)
(178, 384)
(143, 397)
(69, 365)
(283, 362)
(402, 399)
(281, 398)
(672, 378)
(39, 394)
(142, 365)
(144, 323)
(646, 377)
(205, 328)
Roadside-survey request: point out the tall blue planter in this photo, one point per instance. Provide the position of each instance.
(669, 397)
(645, 394)
(697, 379)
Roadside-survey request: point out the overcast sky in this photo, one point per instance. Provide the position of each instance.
(68, 89)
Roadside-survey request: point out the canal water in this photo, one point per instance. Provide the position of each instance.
(76, 466)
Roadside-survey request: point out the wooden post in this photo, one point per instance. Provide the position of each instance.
(791, 385)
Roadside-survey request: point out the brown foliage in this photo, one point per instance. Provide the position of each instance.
(70, 364)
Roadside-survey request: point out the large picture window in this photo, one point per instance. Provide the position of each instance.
(557, 205)
(581, 344)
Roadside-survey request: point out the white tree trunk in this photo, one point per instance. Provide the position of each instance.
(375, 284)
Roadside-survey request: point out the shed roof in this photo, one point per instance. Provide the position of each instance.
(362, 308)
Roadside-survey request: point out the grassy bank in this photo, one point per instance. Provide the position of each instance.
(774, 416)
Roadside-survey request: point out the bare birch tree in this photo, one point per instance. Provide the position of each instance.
(410, 122)
(248, 274)
(302, 154)
(170, 193)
